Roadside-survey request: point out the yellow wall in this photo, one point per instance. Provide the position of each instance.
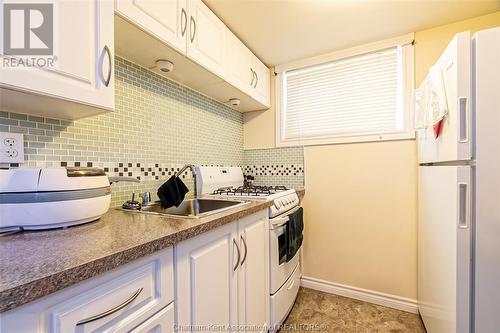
(360, 215)
(430, 43)
(258, 127)
(361, 204)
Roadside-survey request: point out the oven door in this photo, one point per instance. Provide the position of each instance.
(280, 269)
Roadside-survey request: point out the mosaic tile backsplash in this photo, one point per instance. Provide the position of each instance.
(156, 128)
(276, 166)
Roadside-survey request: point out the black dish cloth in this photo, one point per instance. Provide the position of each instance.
(172, 192)
(294, 229)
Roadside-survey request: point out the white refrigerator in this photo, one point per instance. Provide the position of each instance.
(459, 193)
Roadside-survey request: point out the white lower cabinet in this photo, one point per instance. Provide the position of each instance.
(253, 279)
(117, 301)
(223, 278)
(221, 281)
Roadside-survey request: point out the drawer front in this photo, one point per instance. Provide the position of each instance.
(162, 322)
(116, 301)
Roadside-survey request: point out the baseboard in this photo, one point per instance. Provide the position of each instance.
(391, 301)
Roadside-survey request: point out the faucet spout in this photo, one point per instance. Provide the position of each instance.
(193, 170)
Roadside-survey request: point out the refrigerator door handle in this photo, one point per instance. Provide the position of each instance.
(463, 205)
(462, 119)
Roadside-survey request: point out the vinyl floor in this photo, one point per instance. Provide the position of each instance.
(316, 311)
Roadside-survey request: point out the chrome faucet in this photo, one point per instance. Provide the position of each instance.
(193, 170)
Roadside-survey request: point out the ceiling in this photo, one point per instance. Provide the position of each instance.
(279, 31)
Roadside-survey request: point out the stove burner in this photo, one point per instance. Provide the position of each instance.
(254, 190)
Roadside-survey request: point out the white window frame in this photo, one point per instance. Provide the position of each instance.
(408, 131)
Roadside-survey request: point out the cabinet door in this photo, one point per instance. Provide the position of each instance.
(83, 45)
(239, 62)
(166, 20)
(207, 38)
(206, 271)
(253, 280)
(261, 84)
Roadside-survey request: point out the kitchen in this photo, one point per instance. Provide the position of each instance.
(289, 221)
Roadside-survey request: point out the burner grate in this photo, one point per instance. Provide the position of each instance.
(254, 190)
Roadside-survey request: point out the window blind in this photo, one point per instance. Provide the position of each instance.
(360, 95)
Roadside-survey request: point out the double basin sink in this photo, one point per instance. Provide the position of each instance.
(193, 208)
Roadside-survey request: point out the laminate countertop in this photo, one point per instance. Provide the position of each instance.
(37, 263)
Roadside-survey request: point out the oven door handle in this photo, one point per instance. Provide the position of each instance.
(278, 222)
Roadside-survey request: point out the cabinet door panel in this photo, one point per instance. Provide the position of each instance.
(262, 92)
(207, 38)
(239, 61)
(254, 271)
(83, 45)
(167, 20)
(206, 280)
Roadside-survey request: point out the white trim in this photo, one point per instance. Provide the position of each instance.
(357, 50)
(370, 296)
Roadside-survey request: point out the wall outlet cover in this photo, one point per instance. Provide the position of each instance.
(11, 147)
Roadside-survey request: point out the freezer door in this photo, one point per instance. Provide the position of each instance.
(444, 248)
(454, 141)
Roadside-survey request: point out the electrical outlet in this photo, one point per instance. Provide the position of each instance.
(11, 148)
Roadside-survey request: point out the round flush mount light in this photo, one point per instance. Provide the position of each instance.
(164, 65)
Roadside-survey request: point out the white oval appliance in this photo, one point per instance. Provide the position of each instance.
(46, 198)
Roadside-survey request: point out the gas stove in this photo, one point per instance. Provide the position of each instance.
(229, 182)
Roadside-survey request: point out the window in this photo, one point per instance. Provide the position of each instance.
(363, 94)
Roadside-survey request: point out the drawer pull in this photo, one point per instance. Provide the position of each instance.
(246, 250)
(110, 311)
(237, 261)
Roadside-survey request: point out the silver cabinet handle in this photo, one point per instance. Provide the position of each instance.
(237, 249)
(253, 77)
(110, 311)
(183, 19)
(108, 52)
(256, 79)
(192, 31)
(246, 250)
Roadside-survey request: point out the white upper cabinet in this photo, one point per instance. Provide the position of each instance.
(82, 72)
(261, 84)
(239, 62)
(207, 38)
(206, 55)
(246, 71)
(166, 20)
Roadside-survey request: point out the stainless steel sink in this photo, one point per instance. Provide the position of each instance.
(193, 208)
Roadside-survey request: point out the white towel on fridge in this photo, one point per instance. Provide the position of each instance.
(437, 106)
(420, 106)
